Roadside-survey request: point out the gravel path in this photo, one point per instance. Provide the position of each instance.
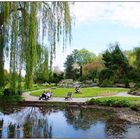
(29, 97)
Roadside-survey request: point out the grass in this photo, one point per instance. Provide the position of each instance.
(131, 102)
(86, 92)
(10, 99)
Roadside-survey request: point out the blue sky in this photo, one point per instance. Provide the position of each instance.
(97, 24)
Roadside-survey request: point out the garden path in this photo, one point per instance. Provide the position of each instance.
(29, 97)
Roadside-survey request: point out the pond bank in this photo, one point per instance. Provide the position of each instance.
(122, 112)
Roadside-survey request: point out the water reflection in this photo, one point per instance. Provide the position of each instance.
(43, 122)
(29, 122)
(84, 118)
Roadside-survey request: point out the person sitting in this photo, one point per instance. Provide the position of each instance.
(45, 95)
(77, 89)
(48, 95)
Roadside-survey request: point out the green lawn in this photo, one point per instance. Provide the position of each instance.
(86, 92)
(131, 102)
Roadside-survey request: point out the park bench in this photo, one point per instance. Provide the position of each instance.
(69, 96)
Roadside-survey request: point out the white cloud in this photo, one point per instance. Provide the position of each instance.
(126, 13)
(61, 57)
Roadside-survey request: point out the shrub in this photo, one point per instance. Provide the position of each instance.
(106, 83)
(121, 103)
(6, 92)
(91, 101)
(138, 85)
(109, 102)
(106, 74)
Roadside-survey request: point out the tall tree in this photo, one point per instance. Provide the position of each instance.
(41, 73)
(29, 23)
(137, 60)
(4, 20)
(91, 70)
(115, 60)
(83, 57)
(69, 71)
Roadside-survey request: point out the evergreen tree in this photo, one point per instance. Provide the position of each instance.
(69, 71)
(115, 60)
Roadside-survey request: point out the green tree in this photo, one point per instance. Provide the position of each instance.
(41, 73)
(92, 70)
(115, 60)
(21, 29)
(57, 77)
(83, 57)
(137, 60)
(69, 71)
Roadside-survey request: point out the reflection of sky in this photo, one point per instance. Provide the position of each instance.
(18, 119)
(40, 125)
(68, 131)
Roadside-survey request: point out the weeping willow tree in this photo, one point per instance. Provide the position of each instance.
(25, 24)
(41, 73)
(4, 16)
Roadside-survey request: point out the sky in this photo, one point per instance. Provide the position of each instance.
(97, 24)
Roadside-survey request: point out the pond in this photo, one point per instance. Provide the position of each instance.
(46, 122)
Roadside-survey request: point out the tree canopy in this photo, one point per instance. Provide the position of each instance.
(23, 25)
(115, 60)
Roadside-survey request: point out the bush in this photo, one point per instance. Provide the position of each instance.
(106, 83)
(126, 82)
(109, 102)
(133, 75)
(6, 92)
(91, 101)
(138, 85)
(106, 74)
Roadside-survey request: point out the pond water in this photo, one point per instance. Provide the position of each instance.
(43, 122)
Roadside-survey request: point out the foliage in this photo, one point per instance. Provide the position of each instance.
(116, 101)
(79, 57)
(57, 77)
(138, 85)
(83, 56)
(115, 60)
(106, 74)
(137, 60)
(133, 75)
(10, 99)
(131, 56)
(69, 69)
(20, 31)
(41, 74)
(106, 83)
(6, 77)
(91, 70)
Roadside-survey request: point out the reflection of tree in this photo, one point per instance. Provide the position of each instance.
(1, 123)
(84, 118)
(29, 120)
(11, 130)
(116, 128)
(8, 109)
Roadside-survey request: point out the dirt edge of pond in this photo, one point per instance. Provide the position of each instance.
(122, 112)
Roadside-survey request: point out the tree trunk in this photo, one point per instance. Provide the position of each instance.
(81, 72)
